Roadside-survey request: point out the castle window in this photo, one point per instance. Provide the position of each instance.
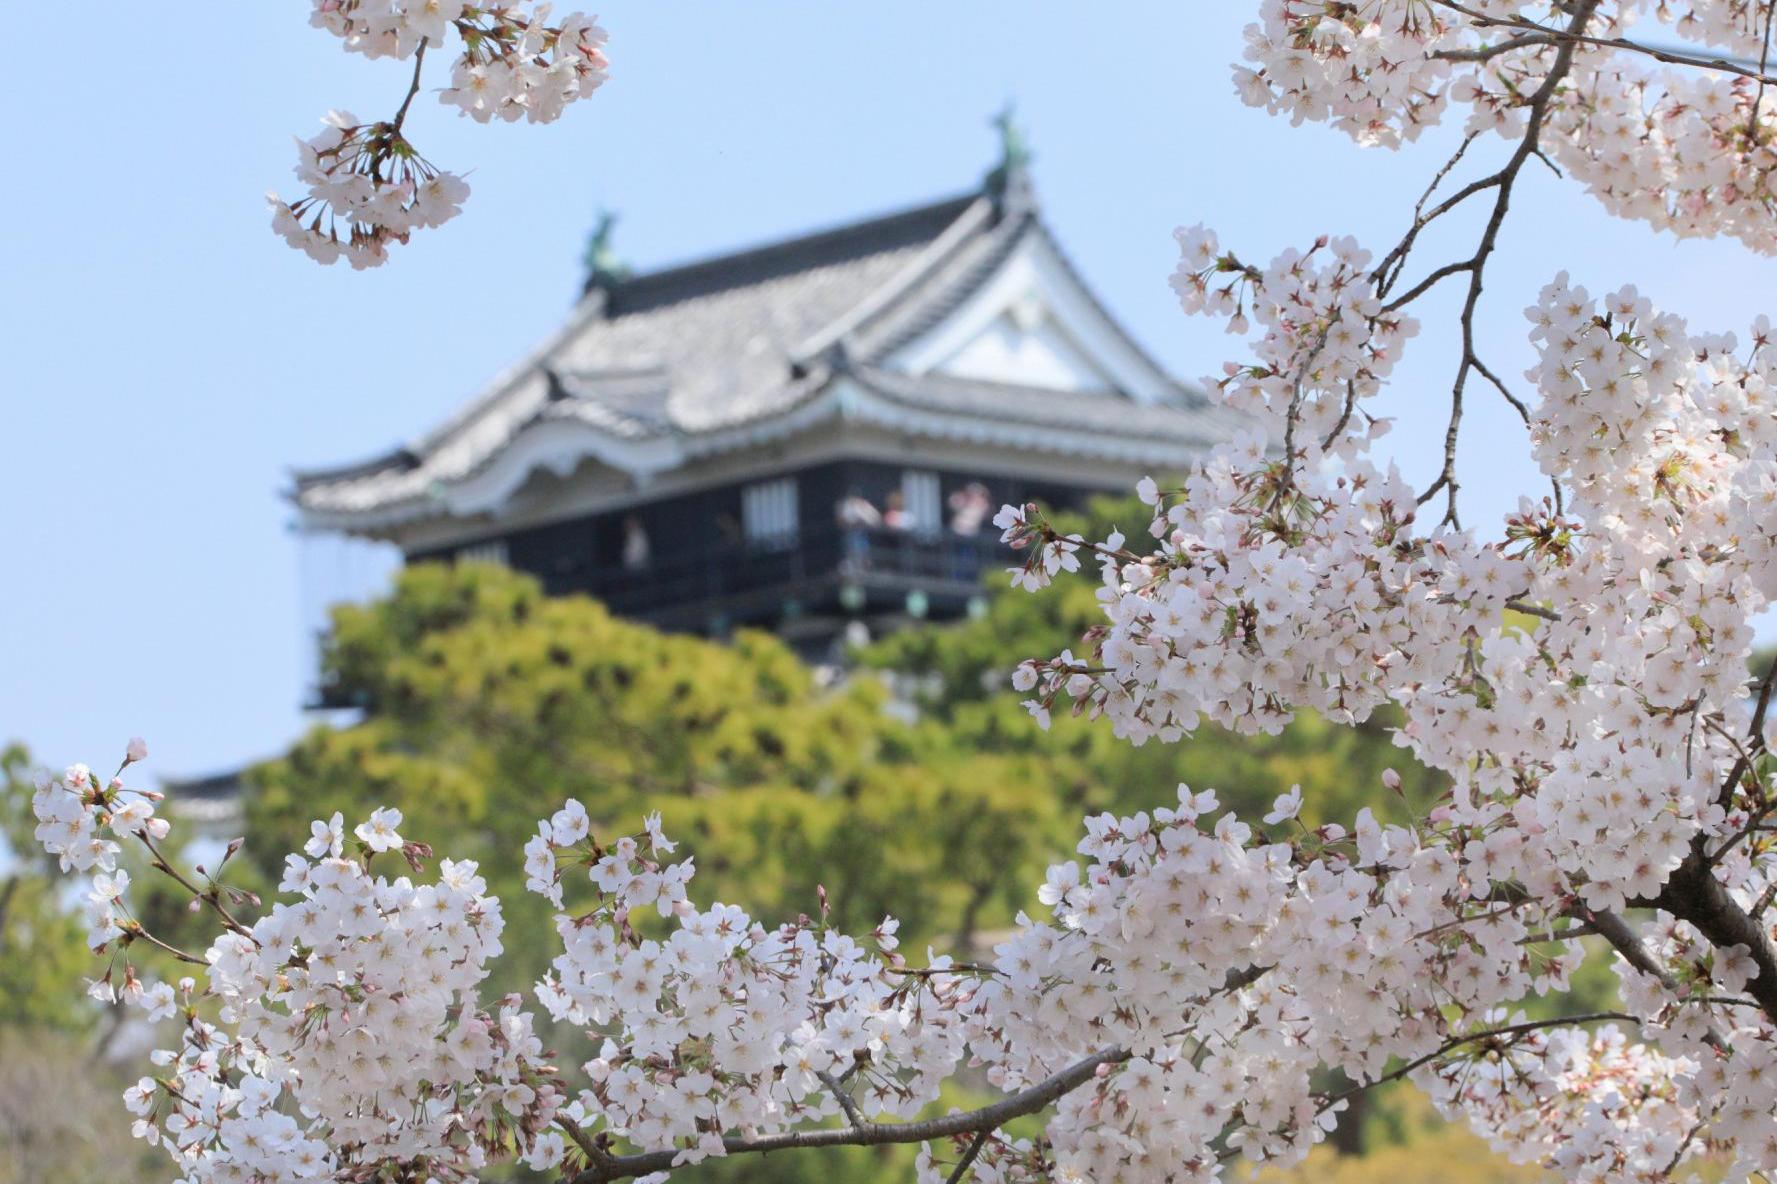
(768, 513)
(486, 551)
(923, 503)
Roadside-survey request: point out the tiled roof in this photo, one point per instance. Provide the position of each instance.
(1195, 424)
(743, 339)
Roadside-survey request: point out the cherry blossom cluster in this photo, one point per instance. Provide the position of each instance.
(517, 37)
(1669, 438)
(707, 1022)
(349, 1039)
(1368, 69)
(1581, 680)
(1326, 340)
(1195, 978)
(1691, 155)
(387, 28)
(1228, 965)
(368, 188)
(1735, 25)
(515, 66)
(1274, 589)
(77, 811)
(1592, 1106)
(1050, 554)
(1681, 149)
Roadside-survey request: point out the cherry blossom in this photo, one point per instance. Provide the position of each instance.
(367, 186)
(1650, 134)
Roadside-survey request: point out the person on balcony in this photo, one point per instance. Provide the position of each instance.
(636, 549)
(969, 508)
(857, 518)
(895, 514)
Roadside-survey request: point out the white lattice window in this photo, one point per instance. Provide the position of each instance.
(768, 512)
(922, 500)
(486, 551)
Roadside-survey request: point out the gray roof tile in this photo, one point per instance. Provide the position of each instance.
(746, 337)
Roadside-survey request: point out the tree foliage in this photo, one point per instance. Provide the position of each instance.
(487, 701)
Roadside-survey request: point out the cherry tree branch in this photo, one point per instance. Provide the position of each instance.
(1616, 931)
(1542, 34)
(606, 1167)
(1520, 605)
(1755, 735)
(413, 88)
(1388, 271)
(134, 931)
(7, 892)
(1487, 53)
(1538, 109)
(1456, 1042)
(211, 897)
(968, 1160)
(1693, 894)
(1623, 939)
(837, 1089)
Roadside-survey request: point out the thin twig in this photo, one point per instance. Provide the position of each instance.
(1764, 57)
(1538, 109)
(1755, 733)
(212, 897)
(133, 931)
(1456, 1042)
(1487, 53)
(1571, 36)
(1383, 277)
(852, 1114)
(968, 1160)
(413, 88)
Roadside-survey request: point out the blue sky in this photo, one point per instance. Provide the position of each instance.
(166, 359)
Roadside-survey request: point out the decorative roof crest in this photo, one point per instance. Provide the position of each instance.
(603, 266)
(1010, 179)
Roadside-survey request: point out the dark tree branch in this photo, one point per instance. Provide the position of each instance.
(1764, 58)
(1537, 109)
(211, 897)
(1486, 372)
(413, 88)
(605, 1167)
(837, 1089)
(1616, 931)
(1572, 36)
(7, 892)
(1535, 610)
(968, 1160)
(1487, 53)
(1456, 1042)
(1431, 281)
(1693, 894)
(1388, 271)
(1755, 736)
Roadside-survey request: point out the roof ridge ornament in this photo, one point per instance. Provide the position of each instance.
(1009, 181)
(604, 269)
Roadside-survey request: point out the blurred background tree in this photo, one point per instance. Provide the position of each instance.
(61, 1120)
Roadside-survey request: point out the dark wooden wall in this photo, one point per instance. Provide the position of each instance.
(562, 554)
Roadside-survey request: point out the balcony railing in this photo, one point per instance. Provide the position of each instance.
(742, 581)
